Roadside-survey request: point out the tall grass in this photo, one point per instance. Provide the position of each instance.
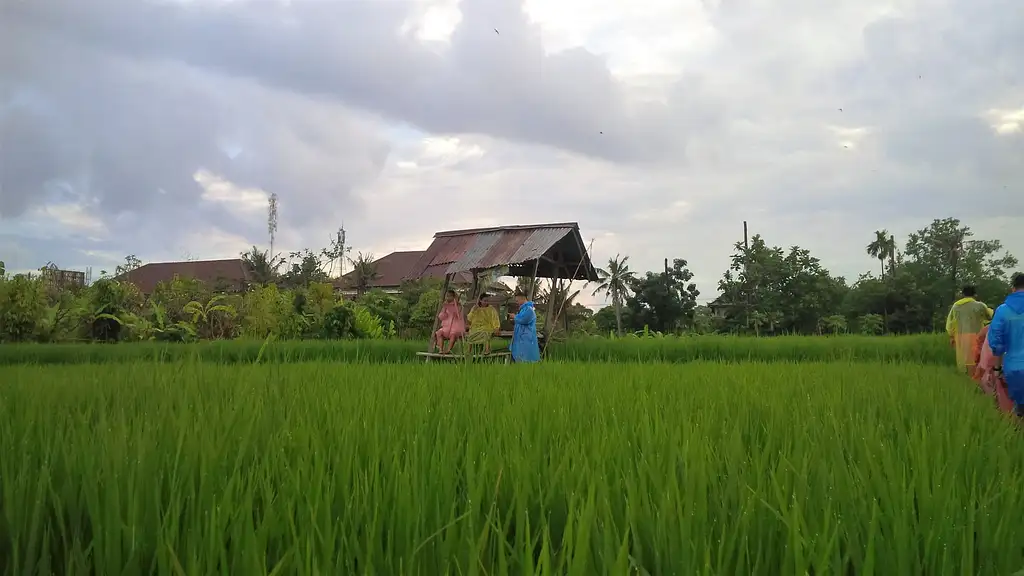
(198, 468)
(924, 349)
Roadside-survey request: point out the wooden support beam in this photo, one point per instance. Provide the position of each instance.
(584, 257)
(549, 320)
(533, 285)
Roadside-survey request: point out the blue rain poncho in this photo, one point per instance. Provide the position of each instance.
(1006, 333)
(524, 338)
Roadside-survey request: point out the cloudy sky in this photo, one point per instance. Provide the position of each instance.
(160, 128)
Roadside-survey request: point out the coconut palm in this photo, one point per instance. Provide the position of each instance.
(364, 272)
(881, 248)
(615, 282)
(263, 268)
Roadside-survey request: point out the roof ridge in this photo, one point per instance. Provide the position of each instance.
(194, 261)
(468, 231)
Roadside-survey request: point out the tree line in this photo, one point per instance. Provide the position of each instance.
(766, 290)
(773, 290)
(288, 297)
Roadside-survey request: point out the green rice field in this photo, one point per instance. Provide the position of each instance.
(919, 349)
(728, 467)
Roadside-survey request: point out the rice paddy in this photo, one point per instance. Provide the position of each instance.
(190, 467)
(918, 349)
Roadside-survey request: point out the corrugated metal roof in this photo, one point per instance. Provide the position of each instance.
(448, 249)
(537, 243)
(475, 255)
(504, 251)
(466, 250)
(507, 247)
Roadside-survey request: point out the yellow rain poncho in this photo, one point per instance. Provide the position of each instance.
(965, 320)
(483, 322)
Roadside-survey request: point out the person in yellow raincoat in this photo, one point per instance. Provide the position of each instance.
(483, 324)
(965, 320)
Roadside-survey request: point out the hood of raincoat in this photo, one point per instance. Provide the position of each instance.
(1015, 302)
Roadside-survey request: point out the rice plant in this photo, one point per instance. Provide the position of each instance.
(326, 468)
(920, 349)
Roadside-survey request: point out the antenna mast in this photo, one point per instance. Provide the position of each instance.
(272, 221)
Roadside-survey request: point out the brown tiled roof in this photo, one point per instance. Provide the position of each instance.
(231, 273)
(391, 269)
(397, 267)
(461, 251)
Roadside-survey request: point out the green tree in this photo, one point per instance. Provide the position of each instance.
(664, 301)
(421, 319)
(23, 307)
(945, 256)
(791, 289)
(833, 324)
(703, 320)
(616, 281)
(881, 248)
(263, 268)
(212, 319)
(606, 320)
(308, 269)
(364, 272)
(870, 324)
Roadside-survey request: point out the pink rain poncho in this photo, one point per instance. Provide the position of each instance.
(453, 325)
(990, 381)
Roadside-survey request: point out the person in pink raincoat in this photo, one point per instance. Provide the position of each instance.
(988, 379)
(453, 325)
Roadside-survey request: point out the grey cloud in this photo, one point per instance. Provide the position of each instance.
(498, 84)
(129, 135)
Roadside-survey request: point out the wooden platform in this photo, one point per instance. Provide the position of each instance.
(499, 357)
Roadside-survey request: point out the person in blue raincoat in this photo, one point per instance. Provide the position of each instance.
(524, 338)
(1006, 338)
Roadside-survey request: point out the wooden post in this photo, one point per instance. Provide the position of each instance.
(437, 321)
(746, 274)
(533, 285)
(549, 320)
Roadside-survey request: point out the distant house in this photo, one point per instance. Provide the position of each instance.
(391, 271)
(230, 275)
(721, 307)
(62, 279)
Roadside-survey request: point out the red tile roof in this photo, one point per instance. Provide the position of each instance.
(230, 274)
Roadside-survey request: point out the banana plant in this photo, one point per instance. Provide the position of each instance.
(204, 317)
(161, 329)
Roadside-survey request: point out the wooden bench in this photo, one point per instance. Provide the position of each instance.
(501, 357)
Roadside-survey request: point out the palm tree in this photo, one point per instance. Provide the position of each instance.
(615, 283)
(881, 248)
(364, 272)
(262, 266)
(532, 287)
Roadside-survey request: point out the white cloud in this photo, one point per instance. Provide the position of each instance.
(245, 201)
(74, 218)
(1007, 122)
(674, 31)
(211, 244)
(432, 21)
(674, 213)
